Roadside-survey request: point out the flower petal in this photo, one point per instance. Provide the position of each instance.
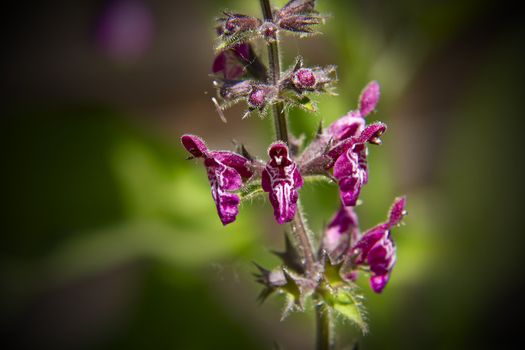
(222, 179)
(227, 207)
(350, 177)
(342, 229)
(283, 198)
(350, 125)
(371, 133)
(369, 98)
(397, 211)
(235, 161)
(195, 145)
(378, 283)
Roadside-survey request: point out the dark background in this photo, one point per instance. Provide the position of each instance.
(110, 239)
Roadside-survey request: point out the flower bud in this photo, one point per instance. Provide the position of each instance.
(260, 95)
(269, 30)
(298, 16)
(235, 23)
(304, 78)
(257, 98)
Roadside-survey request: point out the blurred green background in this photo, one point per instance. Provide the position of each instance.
(110, 238)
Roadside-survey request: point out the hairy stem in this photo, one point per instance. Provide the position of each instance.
(299, 228)
(325, 331)
(281, 129)
(300, 231)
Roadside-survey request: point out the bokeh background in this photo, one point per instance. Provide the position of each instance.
(110, 238)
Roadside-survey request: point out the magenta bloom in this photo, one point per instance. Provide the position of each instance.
(281, 179)
(226, 171)
(376, 248)
(350, 167)
(350, 151)
(343, 229)
(354, 122)
(232, 62)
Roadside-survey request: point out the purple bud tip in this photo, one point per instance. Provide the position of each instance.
(304, 78)
(257, 98)
(269, 30)
(230, 25)
(372, 133)
(378, 283)
(195, 145)
(397, 211)
(369, 98)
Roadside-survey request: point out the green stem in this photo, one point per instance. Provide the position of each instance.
(299, 228)
(300, 231)
(325, 328)
(281, 128)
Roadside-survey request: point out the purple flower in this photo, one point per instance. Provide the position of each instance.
(350, 166)
(281, 179)
(376, 248)
(348, 156)
(343, 229)
(226, 171)
(353, 123)
(232, 62)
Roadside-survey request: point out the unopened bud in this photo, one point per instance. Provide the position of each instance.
(261, 95)
(269, 30)
(304, 78)
(257, 98)
(236, 23)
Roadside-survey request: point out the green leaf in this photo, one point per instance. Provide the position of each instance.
(348, 305)
(307, 104)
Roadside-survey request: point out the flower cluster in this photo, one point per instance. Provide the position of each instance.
(338, 153)
(296, 17)
(373, 250)
(240, 75)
